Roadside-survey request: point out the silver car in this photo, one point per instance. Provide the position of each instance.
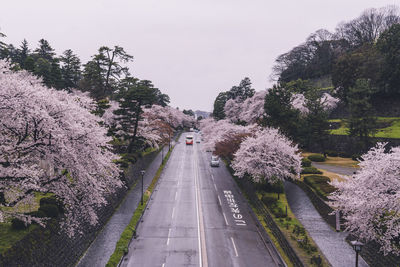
(214, 161)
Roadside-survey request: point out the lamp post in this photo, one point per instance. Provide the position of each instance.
(357, 246)
(162, 154)
(142, 172)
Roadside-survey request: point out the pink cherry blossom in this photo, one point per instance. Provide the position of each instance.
(267, 156)
(370, 199)
(248, 111)
(50, 142)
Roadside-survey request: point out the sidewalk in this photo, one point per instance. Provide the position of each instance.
(332, 244)
(103, 246)
(336, 169)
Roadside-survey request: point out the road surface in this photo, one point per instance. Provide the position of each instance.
(197, 217)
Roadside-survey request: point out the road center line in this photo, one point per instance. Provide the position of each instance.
(215, 186)
(234, 247)
(200, 224)
(169, 233)
(226, 221)
(219, 200)
(173, 211)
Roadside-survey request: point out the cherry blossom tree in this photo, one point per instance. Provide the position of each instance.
(232, 109)
(253, 107)
(50, 142)
(156, 125)
(329, 102)
(370, 199)
(248, 111)
(267, 156)
(218, 131)
(299, 102)
(162, 122)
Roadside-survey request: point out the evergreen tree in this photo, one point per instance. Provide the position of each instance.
(23, 53)
(71, 69)
(219, 104)
(56, 80)
(389, 45)
(2, 46)
(102, 73)
(243, 91)
(29, 63)
(45, 51)
(316, 126)
(134, 94)
(362, 122)
(280, 112)
(43, 69)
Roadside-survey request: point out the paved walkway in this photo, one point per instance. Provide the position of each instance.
(336, 169)
(103, 246)
(332, 244)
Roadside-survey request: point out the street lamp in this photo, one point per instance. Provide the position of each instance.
(357, 246)
(162, 154)
(142, 172)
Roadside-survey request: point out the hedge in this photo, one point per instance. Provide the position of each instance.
(305, 162)
(316, 157)
(310, 170)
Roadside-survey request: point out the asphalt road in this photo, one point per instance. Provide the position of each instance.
(197, 217)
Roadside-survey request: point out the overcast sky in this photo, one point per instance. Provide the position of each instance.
(191, 50)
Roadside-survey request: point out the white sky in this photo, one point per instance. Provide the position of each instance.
(191, 50)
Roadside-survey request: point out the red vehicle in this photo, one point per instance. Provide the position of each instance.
(189, 140)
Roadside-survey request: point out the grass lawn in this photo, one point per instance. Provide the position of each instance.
(392, 131)
(320, 185)
(288, 225)
(337, 161)
(9, 236)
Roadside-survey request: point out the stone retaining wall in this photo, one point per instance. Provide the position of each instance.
(348, 144)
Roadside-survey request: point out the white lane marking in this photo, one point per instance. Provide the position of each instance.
(173, 211)
(219, 200)
(200, 224)
(234, 247)
(163, 265)
(226, 221)
(215, 186)
(176, 195)
(212, 177)
(169, 233)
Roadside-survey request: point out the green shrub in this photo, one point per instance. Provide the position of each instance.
(50, 210)
(316, 260)
(276, 187)
(316, 179)
(52, 201)
(18, 224)
(332, 153)
(278, 212)
(316, 157)
(310, 170)
(37, 214)
(269, 201)
(299, 230)
(320, 185)
(305, 162)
